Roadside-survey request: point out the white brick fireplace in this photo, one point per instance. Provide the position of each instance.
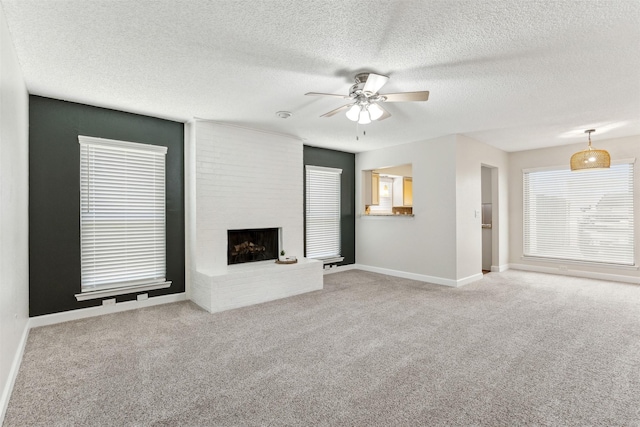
(245, 179)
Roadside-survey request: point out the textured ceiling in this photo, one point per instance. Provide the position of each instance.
(514, 74)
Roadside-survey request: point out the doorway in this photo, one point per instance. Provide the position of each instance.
(487, 218)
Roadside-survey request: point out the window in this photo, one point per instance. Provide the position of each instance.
(122, 217)
(580, 216)
(323, 214)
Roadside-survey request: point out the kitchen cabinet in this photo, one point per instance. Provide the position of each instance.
(371, 188)
(407, 191)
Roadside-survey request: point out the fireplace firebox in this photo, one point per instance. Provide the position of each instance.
(249, 245)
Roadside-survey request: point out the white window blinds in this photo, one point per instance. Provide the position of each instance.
(323, 213)
(122, 213)
(580, 216)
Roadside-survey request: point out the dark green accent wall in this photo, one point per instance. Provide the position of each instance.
(347, 162)
(54, 195)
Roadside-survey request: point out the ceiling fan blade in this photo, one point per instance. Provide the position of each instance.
(328, 94)
(385, 114)
(374, 83)
(406, 96)
(336, 111)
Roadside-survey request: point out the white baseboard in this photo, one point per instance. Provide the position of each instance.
(13, 372)
(577, 273)
(83, 313)
(469, 279)
(420, 277)
(499, 268)
(339, 268)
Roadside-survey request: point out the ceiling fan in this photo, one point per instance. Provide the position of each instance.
(366, 100)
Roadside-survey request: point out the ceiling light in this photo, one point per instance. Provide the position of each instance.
(354, 113)
(283, 114)
(375, 111)
(365, 118)
(591, 158)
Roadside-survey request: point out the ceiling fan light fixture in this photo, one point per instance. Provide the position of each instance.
(375, 111)
(353, 113)
(591, 158)
(365, 117)
(365, 99)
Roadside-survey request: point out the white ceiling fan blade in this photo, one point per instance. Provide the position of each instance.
(406, 96)
(336, 111)
(374, 83)
(327, 94)
(375, 111)
(385, 113)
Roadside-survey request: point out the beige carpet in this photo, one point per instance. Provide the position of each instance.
(515, 348)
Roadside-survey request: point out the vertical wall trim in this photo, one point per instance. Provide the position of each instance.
(189, 202)
(13, 372)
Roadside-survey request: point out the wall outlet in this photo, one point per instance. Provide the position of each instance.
(563, 268)
(110, 301)
(142, 297)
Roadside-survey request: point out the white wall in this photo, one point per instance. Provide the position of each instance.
(443, 242)
(471, 155)
(14, 215)
(425, 244)
(619, 148)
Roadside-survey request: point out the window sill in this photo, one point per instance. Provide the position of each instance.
(386, 215)
(332, 260)
(102, 293)
(575, 262)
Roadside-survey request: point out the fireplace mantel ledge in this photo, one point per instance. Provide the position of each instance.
(257, 265)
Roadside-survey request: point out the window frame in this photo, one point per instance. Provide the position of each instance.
(328, 258)
(528, 255)
(121, 148)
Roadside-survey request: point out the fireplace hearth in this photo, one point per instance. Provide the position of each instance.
(250, 245)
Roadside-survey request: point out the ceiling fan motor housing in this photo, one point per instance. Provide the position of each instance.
(361, 78)
(357, 90)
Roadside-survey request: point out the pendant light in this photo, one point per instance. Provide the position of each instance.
(591, 158)
(385, 191)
